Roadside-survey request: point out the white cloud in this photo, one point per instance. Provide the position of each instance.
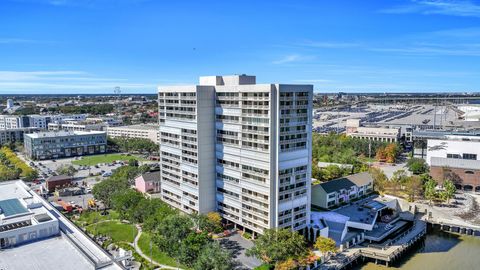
(80, 81)
(464, 8)
(291, 58)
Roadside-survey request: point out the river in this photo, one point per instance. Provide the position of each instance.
(439, 251)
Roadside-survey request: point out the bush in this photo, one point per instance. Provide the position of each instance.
(247, 235)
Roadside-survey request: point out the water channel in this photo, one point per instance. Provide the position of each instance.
(439, 251)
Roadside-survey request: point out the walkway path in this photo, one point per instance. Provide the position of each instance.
(140, 252)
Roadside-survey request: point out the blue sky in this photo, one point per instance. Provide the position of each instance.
(91, 46)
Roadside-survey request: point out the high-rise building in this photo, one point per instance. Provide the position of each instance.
(10, 103)
(240, 148)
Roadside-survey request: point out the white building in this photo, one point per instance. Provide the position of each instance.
(34, 235)
(150, 132)
(13, 121)
(10, 103)
(454, 147)
(240, 148)
(353, 129)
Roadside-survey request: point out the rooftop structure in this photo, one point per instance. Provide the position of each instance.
(34, 235)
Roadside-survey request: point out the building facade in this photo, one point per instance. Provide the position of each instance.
(390, 135)
(240, 148)
(150, 132)
(456, 158)
(13, 122)
(14, 135)
(51, 145)
(342, 190)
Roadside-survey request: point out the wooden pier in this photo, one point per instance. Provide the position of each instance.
(385, 254)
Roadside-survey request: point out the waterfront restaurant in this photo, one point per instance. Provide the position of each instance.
(373, 219)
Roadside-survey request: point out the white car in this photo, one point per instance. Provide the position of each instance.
(107, 174)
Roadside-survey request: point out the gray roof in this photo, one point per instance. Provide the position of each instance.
(58, 178)
(151, 176)
(360, 179)
(455, 163)
(337, 184)
(346, 182)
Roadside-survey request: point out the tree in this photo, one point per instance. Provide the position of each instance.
(449, 190)
(391, 152)
(288, 264)
(325, 245)
(192, 246)
(125, 200)
(399, 178)
(171, 232)
(67, 170)
(157, 211)
(277, 245)
(133, 162)
(332, 172)
(213, 257)
(413, 187)
(381, 154)
(105, 189)
(430, 192)
(379, 179)
(417, 166)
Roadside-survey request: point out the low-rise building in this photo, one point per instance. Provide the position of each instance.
(74, 125)
(342, 190)
(456, 158)
(34, 235)
(150, 132)
(48, 145)
(57, 181)
(14, 135)
(13, 121)
(148, 182)
(383, 134)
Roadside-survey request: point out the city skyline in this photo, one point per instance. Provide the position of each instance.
(48, 46)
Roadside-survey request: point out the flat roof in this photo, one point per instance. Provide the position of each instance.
(62, 133)
(51, 253)
(133, 127)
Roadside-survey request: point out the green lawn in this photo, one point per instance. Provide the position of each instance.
(158, 256)
(119, 232)
(89, 217)
(107, 158)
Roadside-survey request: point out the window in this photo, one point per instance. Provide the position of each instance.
(469, 172)
(453, 156)
(469, 156)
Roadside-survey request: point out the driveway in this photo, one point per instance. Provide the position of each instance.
(237, 245)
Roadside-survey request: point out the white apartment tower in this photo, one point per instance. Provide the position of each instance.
(240, 148)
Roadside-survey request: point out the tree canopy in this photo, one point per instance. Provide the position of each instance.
(278, 245)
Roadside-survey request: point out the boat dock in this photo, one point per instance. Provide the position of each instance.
(386, 254)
